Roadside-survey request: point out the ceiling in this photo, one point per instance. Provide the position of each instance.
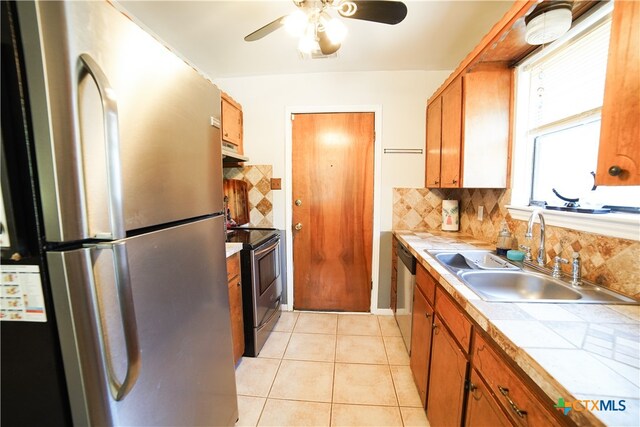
(435, 35)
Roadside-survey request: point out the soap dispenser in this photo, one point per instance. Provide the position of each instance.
(505, 240)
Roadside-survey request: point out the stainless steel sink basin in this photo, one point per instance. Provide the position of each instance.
(517, 286)
(482, 260)
(497, 280)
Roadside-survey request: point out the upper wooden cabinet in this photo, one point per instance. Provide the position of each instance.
(451, 137)
(468, 131)
(232, 122)
(619, 152)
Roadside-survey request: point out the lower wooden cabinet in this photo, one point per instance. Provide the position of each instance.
(447, 378)
(421, 332)
(482, 409)
(235, 304)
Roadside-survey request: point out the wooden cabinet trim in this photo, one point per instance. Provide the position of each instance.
(234, 284)
(233, 266)
(455, 319)
(426, 284)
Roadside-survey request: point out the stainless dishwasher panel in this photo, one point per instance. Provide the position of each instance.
(406, 281)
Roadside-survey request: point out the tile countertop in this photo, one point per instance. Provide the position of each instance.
(573, 351)
(233, 248)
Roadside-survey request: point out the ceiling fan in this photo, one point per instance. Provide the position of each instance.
(317, 29)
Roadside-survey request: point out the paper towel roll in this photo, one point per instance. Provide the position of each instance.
(450, 215)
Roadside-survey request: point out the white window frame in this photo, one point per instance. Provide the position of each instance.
(621, 225)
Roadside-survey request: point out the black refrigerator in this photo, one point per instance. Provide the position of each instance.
(114, 306)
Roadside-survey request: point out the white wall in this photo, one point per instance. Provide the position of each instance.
(402, 96)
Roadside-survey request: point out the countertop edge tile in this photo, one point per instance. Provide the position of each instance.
(233, 248)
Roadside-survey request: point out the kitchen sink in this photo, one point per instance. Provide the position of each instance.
(483, 260)
(517, 286)
(495, 279)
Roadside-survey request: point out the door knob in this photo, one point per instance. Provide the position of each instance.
(298, 226)
(615, 170)
(298, 202)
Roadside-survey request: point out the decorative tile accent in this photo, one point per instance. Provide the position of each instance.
(417, 208)
(608, 261)
(258, 179)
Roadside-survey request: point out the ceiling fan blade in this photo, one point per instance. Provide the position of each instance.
(266, 30)
(326, 47)
(382, 11)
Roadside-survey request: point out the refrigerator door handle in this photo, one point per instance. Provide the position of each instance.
(86, 65)
(128, 317)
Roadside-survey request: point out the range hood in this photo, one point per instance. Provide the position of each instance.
(230, 156)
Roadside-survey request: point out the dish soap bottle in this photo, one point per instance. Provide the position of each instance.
(504, 240)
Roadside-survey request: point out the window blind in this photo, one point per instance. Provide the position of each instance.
(570, 80)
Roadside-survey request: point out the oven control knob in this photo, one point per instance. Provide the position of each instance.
(298, 226)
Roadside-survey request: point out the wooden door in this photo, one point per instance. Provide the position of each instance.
(451, 135)
(434, 135)
(447, 377)
(333, 181)
(421, 342)
(619, 150)
(482, 410)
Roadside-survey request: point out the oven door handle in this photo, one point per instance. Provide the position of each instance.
(259, 252)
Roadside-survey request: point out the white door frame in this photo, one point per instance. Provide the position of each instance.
(377, 174)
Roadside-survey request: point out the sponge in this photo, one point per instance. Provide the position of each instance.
(514, 255)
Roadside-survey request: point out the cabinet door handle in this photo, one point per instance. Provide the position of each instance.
(615, 170)
(434, 327)
(455, 181)
(239, 284)
(436, 182)
(427, 315)
(505, 393)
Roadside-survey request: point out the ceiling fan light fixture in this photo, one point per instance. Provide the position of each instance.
(336, 30)
(307, 43)
(296, 23)
(549, 21)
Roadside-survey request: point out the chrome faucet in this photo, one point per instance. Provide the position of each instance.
(529, 234)
(576, 274)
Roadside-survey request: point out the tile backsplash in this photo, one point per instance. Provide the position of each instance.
(608, 261)
(258, 179)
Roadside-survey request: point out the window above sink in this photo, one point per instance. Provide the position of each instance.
(559, 98)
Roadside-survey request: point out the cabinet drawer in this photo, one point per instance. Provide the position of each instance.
(426, 283)
(233, 266)
(454, 318)
(511, 392)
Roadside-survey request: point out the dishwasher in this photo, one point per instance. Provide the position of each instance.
(406, 281)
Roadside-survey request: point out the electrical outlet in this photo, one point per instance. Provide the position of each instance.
(480, 213)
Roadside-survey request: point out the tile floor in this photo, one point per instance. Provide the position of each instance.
(328, 369)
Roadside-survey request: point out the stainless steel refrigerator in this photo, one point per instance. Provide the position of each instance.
(128, 184)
